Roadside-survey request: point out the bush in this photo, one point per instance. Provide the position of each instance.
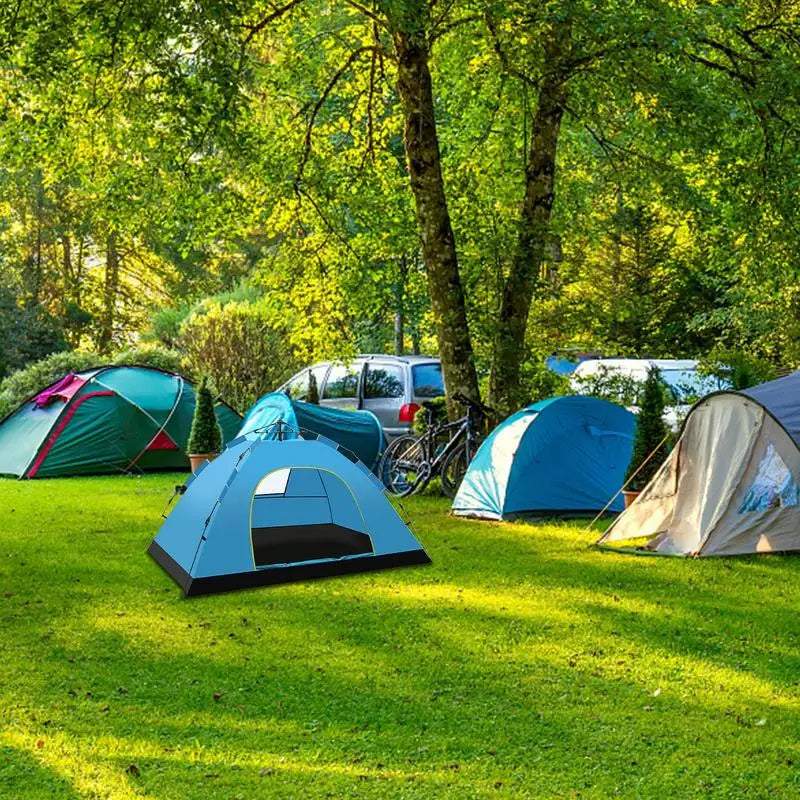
(651, 431)
(25, 383)
(26, 334)
(740, 369)
(151, 355)
(205, 436)
(236, 346)
(420, 423)
(539, 382)
(609, 384)
(165, 326)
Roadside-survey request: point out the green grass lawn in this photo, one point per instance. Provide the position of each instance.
(521, 663)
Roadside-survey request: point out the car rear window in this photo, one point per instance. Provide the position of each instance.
(428, 380)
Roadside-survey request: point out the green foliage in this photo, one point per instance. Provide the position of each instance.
(524, 656)
(651, 432)
(612, 385)
(254, 154)
(539, 382)
(165, 325)
(240, 350)
(24, 383)
(741, 369)
(205, 437)
(26, 334)
(150, 355)
(438, 414)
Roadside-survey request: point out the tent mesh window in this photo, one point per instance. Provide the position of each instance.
(324, 524)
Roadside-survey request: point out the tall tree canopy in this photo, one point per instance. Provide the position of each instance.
(488, 180)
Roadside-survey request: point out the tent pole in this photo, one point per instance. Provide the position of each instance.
(626, 484)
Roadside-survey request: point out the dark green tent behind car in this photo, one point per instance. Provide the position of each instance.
(107, 420)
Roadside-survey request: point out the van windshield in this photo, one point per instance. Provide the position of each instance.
(428, 380)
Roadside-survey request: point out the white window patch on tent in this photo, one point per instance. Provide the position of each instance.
(274, 483)
(773, 486)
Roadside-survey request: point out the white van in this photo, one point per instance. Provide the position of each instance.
(680, 375)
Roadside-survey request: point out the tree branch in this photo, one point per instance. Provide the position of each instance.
(320, 102)
(259, 26)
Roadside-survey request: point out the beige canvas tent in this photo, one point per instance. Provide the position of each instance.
(730, 485)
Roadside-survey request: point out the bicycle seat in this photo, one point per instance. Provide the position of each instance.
(430, 405)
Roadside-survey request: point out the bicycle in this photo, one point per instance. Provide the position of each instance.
(410, 462)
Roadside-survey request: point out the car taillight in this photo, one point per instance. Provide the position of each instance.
(407, 412)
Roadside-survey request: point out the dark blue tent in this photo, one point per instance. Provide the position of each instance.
(358, 431)
(562, 456)
(780, 399)
(270, 511)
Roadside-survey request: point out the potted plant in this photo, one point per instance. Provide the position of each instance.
(651, 433)
(205, 439)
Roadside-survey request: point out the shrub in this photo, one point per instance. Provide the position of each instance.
(741, 369)
(151, 355)
(539, 382)
(651, 431)
(165, 326)
(25, 383)
(238, 349)
(205, 436)
(609, 384)
(420, 423)
(26, 334)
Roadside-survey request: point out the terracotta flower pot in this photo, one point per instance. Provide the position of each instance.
(196, 459)
(630, 496)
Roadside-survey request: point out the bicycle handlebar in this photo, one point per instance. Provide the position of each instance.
(467, 401)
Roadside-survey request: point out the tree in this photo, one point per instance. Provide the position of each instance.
(205, 437)
(651, 433)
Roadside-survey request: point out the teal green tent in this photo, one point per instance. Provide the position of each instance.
(106, 420)
(359, 432)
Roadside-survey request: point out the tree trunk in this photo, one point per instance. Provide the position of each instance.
(436, 231)
(110, 289)
(399, 307)
(509, 348)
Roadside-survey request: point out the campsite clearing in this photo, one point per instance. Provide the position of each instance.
(520, 664)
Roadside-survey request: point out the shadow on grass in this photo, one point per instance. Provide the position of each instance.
(520, 662)
(22, 772)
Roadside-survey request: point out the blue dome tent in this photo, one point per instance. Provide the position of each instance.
(562, 456)
(358, 431)
(272, 511)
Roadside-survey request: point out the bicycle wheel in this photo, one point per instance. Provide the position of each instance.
(404, 467)
(453, 470)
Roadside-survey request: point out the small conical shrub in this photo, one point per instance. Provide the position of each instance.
(650, 432)
(206, 436)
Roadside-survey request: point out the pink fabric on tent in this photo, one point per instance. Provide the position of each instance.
(64, 389)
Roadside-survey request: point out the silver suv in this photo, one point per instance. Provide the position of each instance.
(391, 387)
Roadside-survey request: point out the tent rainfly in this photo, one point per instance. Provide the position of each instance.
(562, 456)
(357, 431)
(272, 511)
(730, 484)
(107, 420)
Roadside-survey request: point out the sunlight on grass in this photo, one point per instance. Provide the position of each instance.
(522, 663)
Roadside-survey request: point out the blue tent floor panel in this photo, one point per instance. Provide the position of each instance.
(297, 572)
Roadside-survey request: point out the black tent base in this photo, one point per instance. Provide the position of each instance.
(266, 577)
